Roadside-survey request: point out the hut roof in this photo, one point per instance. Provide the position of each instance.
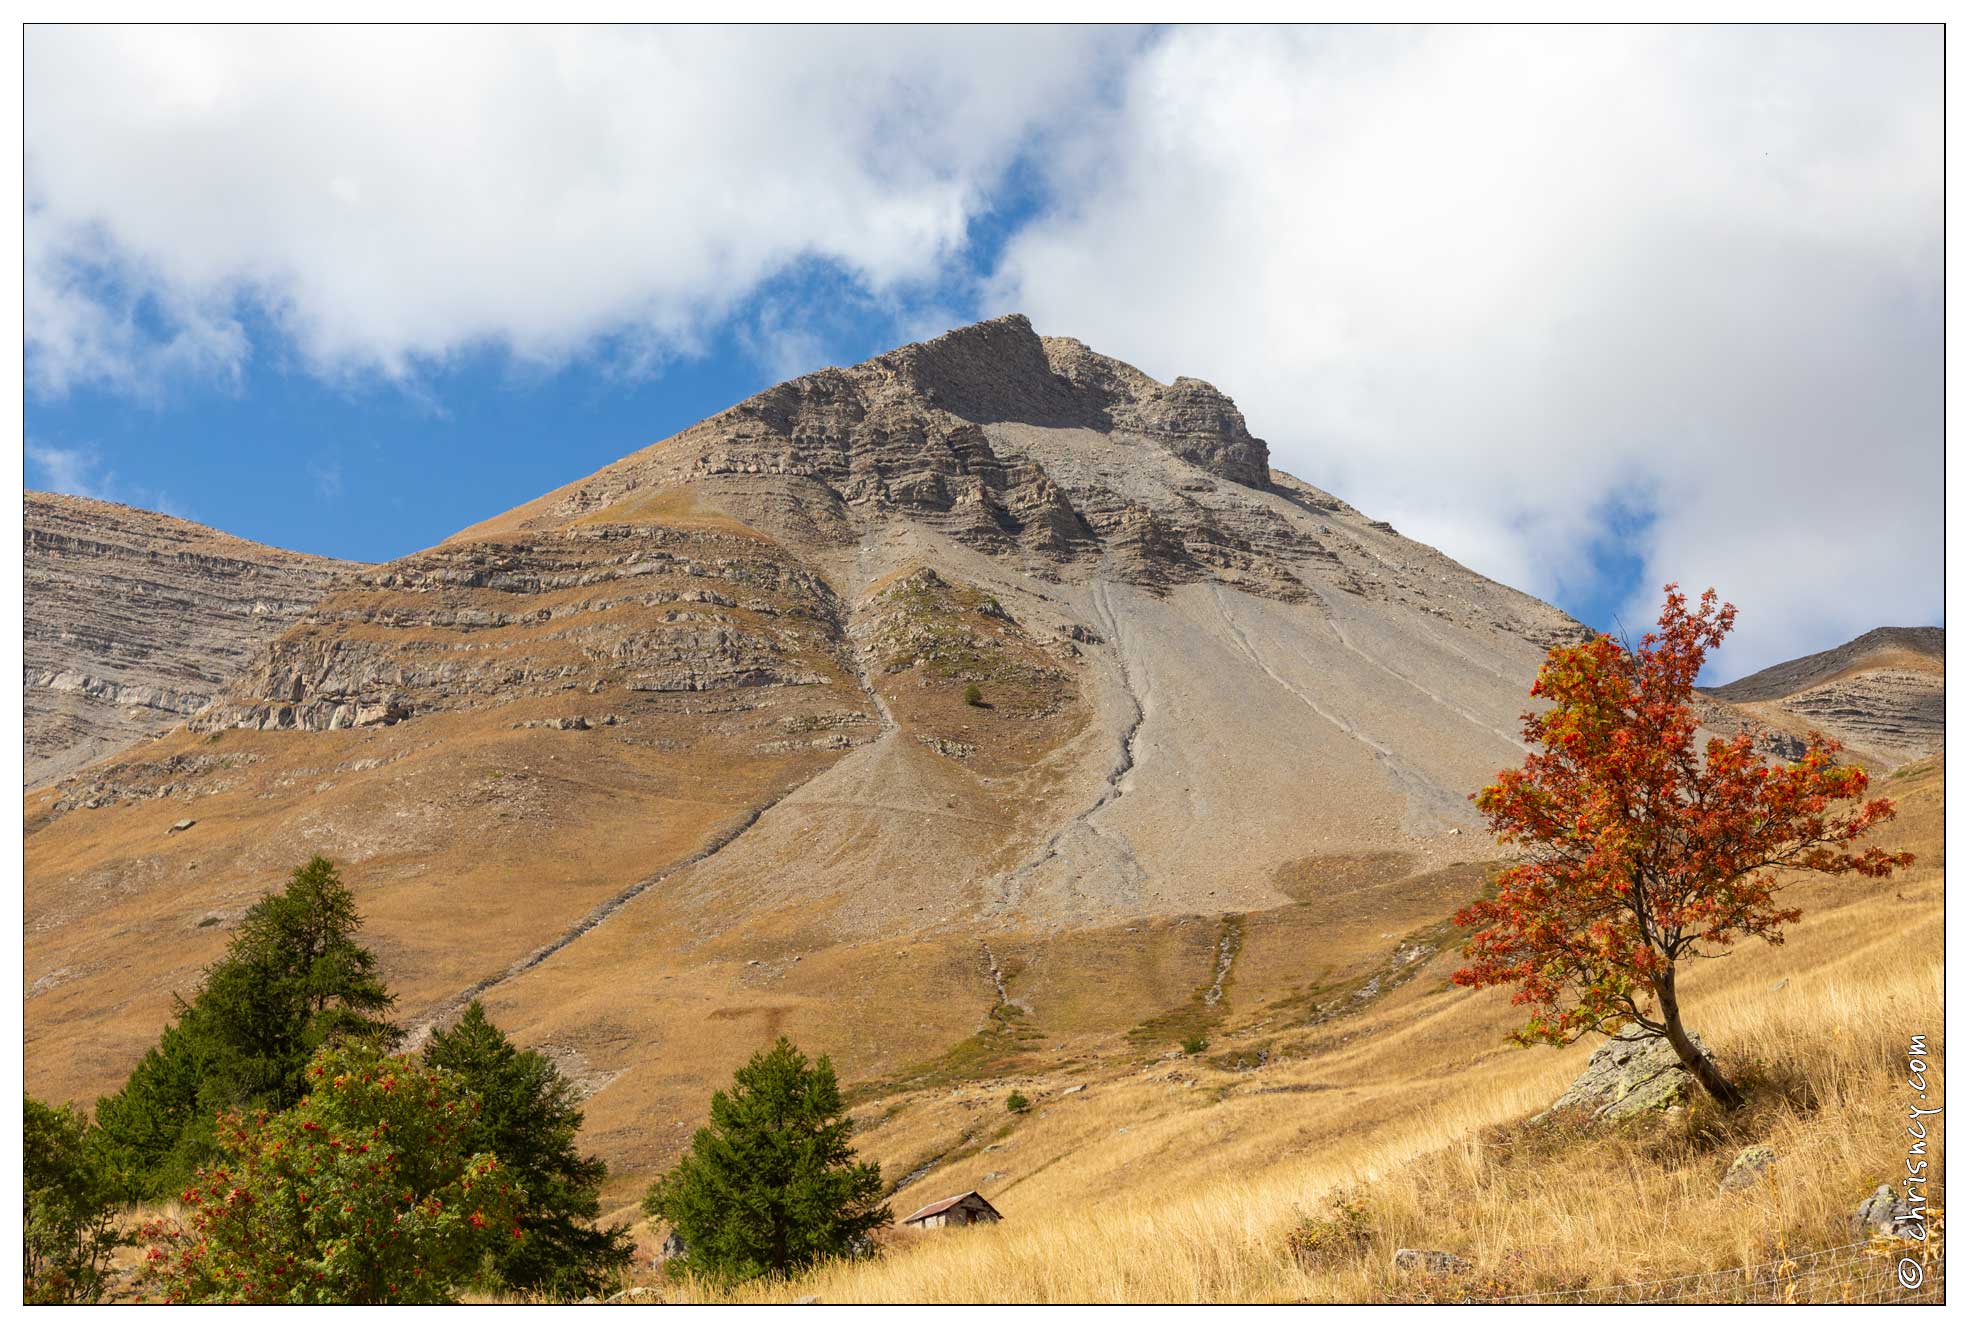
(932, 1210)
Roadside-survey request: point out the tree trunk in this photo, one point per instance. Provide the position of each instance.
(1685, 1047)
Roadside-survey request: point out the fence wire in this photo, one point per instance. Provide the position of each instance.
(1868, 1273)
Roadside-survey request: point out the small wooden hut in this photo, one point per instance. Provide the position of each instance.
(957, 1211)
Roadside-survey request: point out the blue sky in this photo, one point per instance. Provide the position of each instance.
(373, 470)
(1589, 309)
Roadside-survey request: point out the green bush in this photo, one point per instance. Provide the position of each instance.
(1194, 1045)
(1018, 1102)
(973, 695)
(291, 980)
(771, 1186)
(529, 1116)
(363, 1192)
(68, 1208)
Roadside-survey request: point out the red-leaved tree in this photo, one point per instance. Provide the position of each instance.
(1639, 850)
(362, 1193)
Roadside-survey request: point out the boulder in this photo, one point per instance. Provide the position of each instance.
(1748, 1168)
(1430, 1262)
(389, 711)
(1880, 1214)
(1634, 1072)
(672, 1247)
(184, 825)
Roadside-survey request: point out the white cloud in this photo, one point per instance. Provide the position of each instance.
(390, 196)
(66, 470)
(1486, 283)
(80, 471)
(1492, 284)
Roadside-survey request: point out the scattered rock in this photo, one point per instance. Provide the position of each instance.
(673, 1245)
(184, 825)
(806, 1301)
(1074, 1090)
(1779, 985)
(1430, 1262)
(1634, 1072)
(634, 1295)
(955, 749)
(1880, 1214)
(1748, 1168)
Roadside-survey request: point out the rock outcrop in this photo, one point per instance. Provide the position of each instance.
(644, 609)
(1412, 1261)
(1053, 459)
(134, 621)
(1631, 1073)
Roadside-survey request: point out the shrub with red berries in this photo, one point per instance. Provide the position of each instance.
(361, 1193)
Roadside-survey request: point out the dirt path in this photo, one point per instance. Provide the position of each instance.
(597, 916)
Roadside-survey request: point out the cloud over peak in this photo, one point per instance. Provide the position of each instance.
(386, 196)
(1550, 297)
(1590, 308)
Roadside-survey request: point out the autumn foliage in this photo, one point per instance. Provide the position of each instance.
(360, 1193)
(1642, 850)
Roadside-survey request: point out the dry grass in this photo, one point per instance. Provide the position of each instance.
(1558, 1207)
(1140, 1191)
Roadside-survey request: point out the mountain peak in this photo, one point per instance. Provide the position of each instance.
(1001, 372)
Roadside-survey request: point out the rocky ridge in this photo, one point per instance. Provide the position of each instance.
(1050, 458)
(135, 621)
(621, 609)
(1880, 694)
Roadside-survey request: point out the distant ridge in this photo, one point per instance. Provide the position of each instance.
(1781, 680)
(135, 620)
(1880, 694)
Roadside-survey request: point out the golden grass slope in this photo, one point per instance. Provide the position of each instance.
(1180, 1180)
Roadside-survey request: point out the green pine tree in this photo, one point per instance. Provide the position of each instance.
(292, 979)
(771, 1186)
(155, 1131)
(529, 1117)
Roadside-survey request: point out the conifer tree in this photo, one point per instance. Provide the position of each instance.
(292, 979)
(770, 1186)
(529, 1117)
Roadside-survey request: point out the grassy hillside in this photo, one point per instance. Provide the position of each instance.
(1184, 1178)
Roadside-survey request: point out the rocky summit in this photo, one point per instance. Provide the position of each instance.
(135, 620)
(984, 698)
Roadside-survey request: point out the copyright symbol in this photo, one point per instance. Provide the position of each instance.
(1909, 1273)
